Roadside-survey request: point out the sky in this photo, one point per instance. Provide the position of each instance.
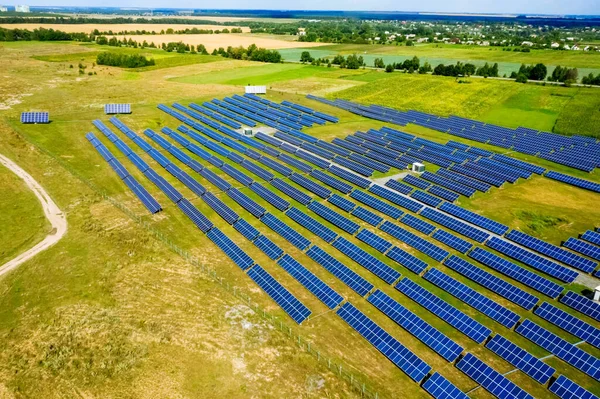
(590, 7)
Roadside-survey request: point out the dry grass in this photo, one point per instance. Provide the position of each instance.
(88, 28)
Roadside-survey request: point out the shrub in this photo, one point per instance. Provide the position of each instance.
(123, 60)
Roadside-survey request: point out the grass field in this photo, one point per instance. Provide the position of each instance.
(143, 323)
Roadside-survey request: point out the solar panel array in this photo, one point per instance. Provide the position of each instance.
(582, 304)
(564, 388)
(35, 117)
(569, 323)
(111, 109)
(440, 388)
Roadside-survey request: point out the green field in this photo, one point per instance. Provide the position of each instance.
(111, 311)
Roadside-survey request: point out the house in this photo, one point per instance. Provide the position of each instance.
(422, 40)
(484, 43)
(22, 8)
(528, 44)
(301, 32)
(555, 45)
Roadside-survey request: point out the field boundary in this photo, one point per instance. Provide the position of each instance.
(337, 367)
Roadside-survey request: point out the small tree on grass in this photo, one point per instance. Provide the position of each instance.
(521, 78)
(389, 68)
(306, 57)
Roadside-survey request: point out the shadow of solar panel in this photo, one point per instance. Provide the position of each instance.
(346, 275)
(220, 208)
(376, 204)
(268, 247)
(310, 185)
(402, 357)
(368, 261)
(291, 235)
(288, 302)
(582, 304)
(367, 216)
(440, 388)
(472, 298)
(491, 380)
(564, 388)
(474, 218)
(569, 323)
(234, 252)
(311, 224)
(529, 258)
(333, 217)
(457, 319)
(331, 181)
(291, 191)
(373, 240)
(521, 359)
(452, 241)
(246, 202)
(414, 241)
(562, 349)
(350, 177)
(518, 273)
(418, 327)
(311, 282)
(246, 229)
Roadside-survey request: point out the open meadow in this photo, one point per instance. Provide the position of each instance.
(121, 307)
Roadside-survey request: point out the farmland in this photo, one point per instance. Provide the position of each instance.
(144, 321)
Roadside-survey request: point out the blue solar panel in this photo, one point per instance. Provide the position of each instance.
(491, 380)
(473, 298)
(521, 359)
(355, 166)
(414, 241)
(426, 198)
(257, 170)
(118, 168)
(564, 350)
(564, 388)
(465, 324)
(310, 185)
(311, 224)
(418, 224)
(407, 260)
(418, 327)
(397, 186)
(234, 252)
(591, 236)
(455, 224)
(246, 229)
(268, 247)
(331, 181)
(376, 204)
(35, 117)
(529, 258)
(215, 179)
(417, 182)
(443, 193)
(219, 206)
(440, 388)
(474, 218)
(288, 302)
(493, 283)
(518, 273)
(467, 181)
(449, 184)
(402, 357)
(452, 241)
(346, 275)
(582, 304)
(560, 254)
(350, 177)
(341, 202)
(583, 247)
(276, 166)
(368, 261)
(574, 181)
(373, 240)
(165, 186)
(304, 167)
(195, 215)
(291, 191)
(396, 198)
(367, 216)
(297, 239)
(569, 323)
(270, 196)
(237, 175)
(333, 217)
(247, 203)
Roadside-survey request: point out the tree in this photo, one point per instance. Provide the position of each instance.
(521, 78)
(389, 68)
(538, 72)
(306, 57)
(426, 67)
(378, 63)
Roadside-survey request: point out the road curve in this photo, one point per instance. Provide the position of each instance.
(53, 214)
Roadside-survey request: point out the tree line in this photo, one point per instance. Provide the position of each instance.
(123, 60)
(42, 34)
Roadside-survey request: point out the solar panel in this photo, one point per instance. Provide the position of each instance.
(465, 324)
(310, 185)
(291, 191)
(591, 236)
(35, 117)
(582, 304)
(237, 175)
(276, 166)
(311, 282)
(518, 273)
(165, 186)
(426, 198)
(407, 260)
(417, 182)
(341, 202)
(246, 202)
(397, 186)
(560, 254)
(350, 177)
(396, 198)
(569, 323)
(367, 216)
(333, 217)
(521, 359)
(215, 179)
(148, 200)
(529, 258)
(402, 357)
(311, 224)
(574, 181)
(257, 170)
(473, 298)
(368, 261)
(331, 181)
(268, 247)
(195, 215)
(304, 167)
(443, 193)
(467, 181)
(376, 204)
(420, 244)
(455, 224)
(493, 283)
(452, 241)
(418, 327)
(346, 275)
(564, 350)
(564, 388)
(269, 196)
(288, 302)
(297, 239)
(440, 388)
(354, 166)
(474, 218)
(219, 206)
(491, 380)
(373, 240)
(418, 224)
(234, 252)
(583, 247)
(118, 168)
(246, 229)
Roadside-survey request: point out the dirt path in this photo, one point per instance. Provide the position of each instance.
(53, 214)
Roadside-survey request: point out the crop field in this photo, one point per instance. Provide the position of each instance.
(122, 307)
(88, 28)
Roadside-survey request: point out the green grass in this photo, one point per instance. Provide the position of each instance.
(22, 220)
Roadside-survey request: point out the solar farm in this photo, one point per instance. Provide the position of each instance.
(405, 248)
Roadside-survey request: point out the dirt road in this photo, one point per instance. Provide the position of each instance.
(53, 214)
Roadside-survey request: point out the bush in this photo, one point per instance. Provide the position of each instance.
(123, 60)
(389, 68)
(521, 78)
